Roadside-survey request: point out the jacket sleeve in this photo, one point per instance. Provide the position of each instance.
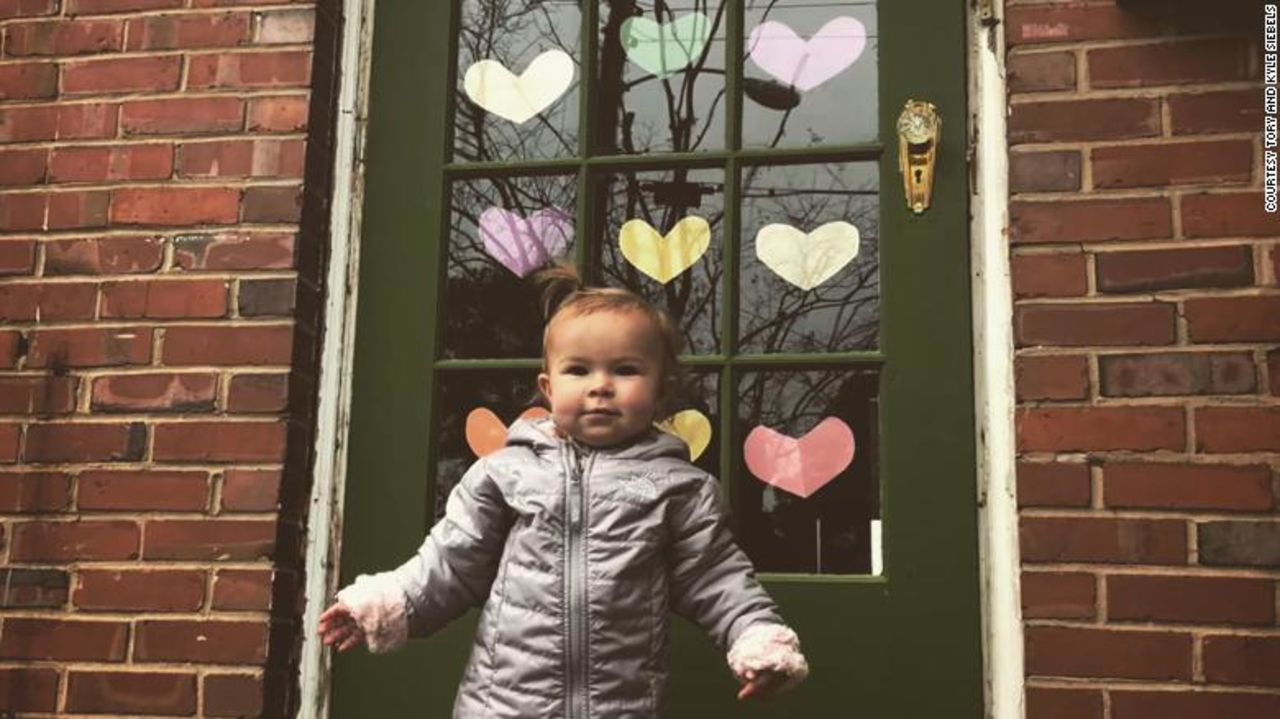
(712, 581)
(451, 572)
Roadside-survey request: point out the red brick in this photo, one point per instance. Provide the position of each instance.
(1273, 369)
(27, 8)
(1181, 373)
(105, 256)
(206, 642)
(175, 206)
(25, 211)
(242, 158)
(210, 540)
(139, 591)
(1181, 163)
(28, 80)
(9, 435)
(1090, 220)
(90, 347)
(22, 167)
(1104, 539)
(87, 120)
(1237, 429)
(1052, 378)
(267, 297)
(1169, 63)
(47, 301)
(182, 116)
(1055, 275)
(64, 639)
(220, 441)
(1059, 595)
(1233, 319)
(63, 122)
(268, 345)
(1086, 652)
(287, 27)
(72, 210)
(1068, 120)
(1057, 171)
(95, 7)
(143, 490)
(63, 37)
(278, 114)
(122, 162)
(1065, 429)
(1041, 71)
(166, 392)
(28, 690)
(168, 32)
(1208, 112)
(17, 257)
(74, 541)
(33, 589)
(1086, 325)
(1053, 484)
(1197, 600)
(96, 692)
(1242, 660)
(1147, 270)
(1040, 24)
(258, 393)
(1238, 543)
(11, 347)
(34, 492)
(273, 204)
(1055, 703)
(265, 251)
(1238, 214)
(232, 695)
(250, 70)
(85, 442)
(165, 299)
(1191, 705)
(248, 490)
(133, 74)
(242, 590)
(40, 394)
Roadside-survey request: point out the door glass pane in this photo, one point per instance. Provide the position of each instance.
(660, 81)
(501, 231)
(519, 70)
(504, 393)
(809, 73)
(696, 415)
(670, 252)
(789, 242)
(829, 531)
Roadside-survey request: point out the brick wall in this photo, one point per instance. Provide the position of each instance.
(1147, 324)
(158, 312)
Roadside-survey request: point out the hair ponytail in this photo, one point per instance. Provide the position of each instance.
(557, 284)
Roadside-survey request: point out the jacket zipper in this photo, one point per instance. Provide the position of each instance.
(576, 578)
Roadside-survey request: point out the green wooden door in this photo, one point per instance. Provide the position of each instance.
(619, 121)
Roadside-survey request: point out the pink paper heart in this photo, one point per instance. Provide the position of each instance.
(522, 244)
(806, 64)
(800, 466)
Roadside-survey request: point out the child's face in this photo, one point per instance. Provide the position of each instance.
(603, 376)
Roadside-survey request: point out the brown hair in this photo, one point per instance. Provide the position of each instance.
(564, 295)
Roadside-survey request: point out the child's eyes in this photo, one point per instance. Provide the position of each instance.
(627, 370)
(575, 370)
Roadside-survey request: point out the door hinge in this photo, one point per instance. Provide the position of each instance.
(986, 10)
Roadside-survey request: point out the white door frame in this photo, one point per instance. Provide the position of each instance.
(993, 358)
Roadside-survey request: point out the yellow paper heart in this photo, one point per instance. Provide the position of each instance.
(693, 427)
(663, 258)
(807, 261)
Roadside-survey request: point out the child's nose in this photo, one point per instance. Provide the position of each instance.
(601, 383)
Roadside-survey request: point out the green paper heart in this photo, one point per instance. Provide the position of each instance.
(667, 47)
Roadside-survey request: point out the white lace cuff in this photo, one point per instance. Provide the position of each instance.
(378, 604)
(769, 647)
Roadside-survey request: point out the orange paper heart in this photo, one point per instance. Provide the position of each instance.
(487, 434)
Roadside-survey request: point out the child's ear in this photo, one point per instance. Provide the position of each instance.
(544, 385)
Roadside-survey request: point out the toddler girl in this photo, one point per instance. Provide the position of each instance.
(578, 538)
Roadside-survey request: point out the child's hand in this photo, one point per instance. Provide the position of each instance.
(338, 626)
(761, 685)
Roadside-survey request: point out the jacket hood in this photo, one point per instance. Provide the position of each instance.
(540, 436)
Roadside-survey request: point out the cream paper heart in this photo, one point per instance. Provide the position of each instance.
(807, 261)
(493, 87)
(693, 427)
(664, 258)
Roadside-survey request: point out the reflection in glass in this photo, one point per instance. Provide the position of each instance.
(660, 80)
(782, 106)
(663, 199)
(515, 32)
(841, 314)
(489, 310)
(828, 532)
(506, 393)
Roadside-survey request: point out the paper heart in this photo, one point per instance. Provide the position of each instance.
(807, 261)
(665, 48)
(663, 258)
(800, 466)
(493, 87)
(487, 434)
(693, 427)
(522, 244)
(806, 64)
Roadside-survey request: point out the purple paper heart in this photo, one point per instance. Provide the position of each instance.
(806, 64)
(522, 244)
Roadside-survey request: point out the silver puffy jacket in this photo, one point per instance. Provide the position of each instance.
(577, 557)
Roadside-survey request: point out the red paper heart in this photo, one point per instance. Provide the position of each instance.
(800, 466)
(487, 434)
